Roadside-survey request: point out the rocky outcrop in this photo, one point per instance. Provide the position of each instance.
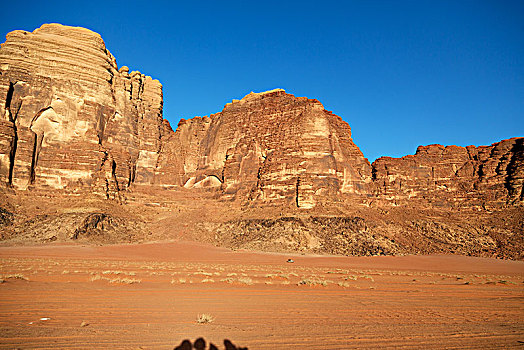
(270, 171)
(69, 119)
(270, 148)
(78, 226)
(454, 176)
(355, 235)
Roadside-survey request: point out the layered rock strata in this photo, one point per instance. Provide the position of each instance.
(69, 119)
(270, 171)
(454, 176)
(271, 148)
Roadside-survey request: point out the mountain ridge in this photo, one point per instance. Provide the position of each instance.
(74, 125)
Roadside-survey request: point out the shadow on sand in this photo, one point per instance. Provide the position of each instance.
(200, 344)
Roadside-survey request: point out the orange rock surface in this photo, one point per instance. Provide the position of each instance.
(271, 171)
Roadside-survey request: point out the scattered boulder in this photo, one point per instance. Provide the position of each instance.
(6, 217)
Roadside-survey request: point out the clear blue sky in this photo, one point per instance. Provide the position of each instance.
(401, 73)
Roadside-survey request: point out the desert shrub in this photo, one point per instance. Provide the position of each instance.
(204, 318)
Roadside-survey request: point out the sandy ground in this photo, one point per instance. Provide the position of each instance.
(149, 296)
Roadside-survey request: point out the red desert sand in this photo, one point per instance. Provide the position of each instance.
(149, 296)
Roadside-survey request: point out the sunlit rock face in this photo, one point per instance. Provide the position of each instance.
(455, 176)
(272, 148)
(69, 118)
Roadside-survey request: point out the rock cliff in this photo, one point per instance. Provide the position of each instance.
(70, 119)
(270, 148)
(270, 171)
(454, 176)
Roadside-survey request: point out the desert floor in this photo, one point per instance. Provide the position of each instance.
(149, 296)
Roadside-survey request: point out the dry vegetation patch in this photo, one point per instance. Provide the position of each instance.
(15, 276)
(204, 318)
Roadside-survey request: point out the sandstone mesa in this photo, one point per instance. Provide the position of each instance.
(270, 171)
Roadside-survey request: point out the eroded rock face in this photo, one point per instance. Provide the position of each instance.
(270, 171)
(69, 119)
(454, 176)
(77, 226)
(358, 236)
(271, 148)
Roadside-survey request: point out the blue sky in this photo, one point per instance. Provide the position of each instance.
(401, 73)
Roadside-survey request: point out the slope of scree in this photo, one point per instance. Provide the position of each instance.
(270, 171)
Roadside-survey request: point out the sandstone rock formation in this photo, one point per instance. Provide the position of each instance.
(70, 119)
(270, 148)
(270, 171)
(455, 176)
